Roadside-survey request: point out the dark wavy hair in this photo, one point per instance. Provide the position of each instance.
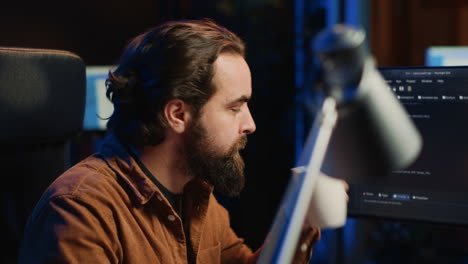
(171, 61)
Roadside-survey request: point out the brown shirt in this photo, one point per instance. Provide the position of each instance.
(106, 210)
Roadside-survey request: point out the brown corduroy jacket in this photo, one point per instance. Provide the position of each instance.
(106, 210)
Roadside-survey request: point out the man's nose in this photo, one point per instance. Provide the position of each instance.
(248, 126)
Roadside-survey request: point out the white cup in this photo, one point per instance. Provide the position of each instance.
(328, 206)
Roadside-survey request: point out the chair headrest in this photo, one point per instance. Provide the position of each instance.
(42, 94)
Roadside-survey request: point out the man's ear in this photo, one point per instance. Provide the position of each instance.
(177, 114)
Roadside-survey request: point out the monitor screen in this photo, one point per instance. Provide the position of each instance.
(447, 56)
(98, 108)
(435, 187)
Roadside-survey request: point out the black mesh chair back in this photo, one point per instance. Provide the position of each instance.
(42, 97)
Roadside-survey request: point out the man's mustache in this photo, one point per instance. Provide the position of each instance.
(241, 143)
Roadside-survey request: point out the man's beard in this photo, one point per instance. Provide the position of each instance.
(223, 170)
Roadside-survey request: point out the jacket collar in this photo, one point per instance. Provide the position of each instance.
(139, 185)
(120, 161)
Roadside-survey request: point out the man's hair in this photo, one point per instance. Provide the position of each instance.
(171, 61)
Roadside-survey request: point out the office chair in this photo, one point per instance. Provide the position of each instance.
(42, 97)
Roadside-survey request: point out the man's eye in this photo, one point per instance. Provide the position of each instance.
(235, 109)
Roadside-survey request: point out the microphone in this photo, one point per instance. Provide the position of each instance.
(374, 134)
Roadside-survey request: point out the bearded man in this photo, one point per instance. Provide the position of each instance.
(180, 94)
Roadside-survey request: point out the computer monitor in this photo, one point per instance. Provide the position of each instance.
(447, 56)
(435, 187)
(98, 107)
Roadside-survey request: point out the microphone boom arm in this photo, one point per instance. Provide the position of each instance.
(286, 229)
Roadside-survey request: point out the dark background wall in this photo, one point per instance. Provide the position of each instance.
(402, 30)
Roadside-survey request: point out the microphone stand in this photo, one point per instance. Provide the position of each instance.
(289, 220)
